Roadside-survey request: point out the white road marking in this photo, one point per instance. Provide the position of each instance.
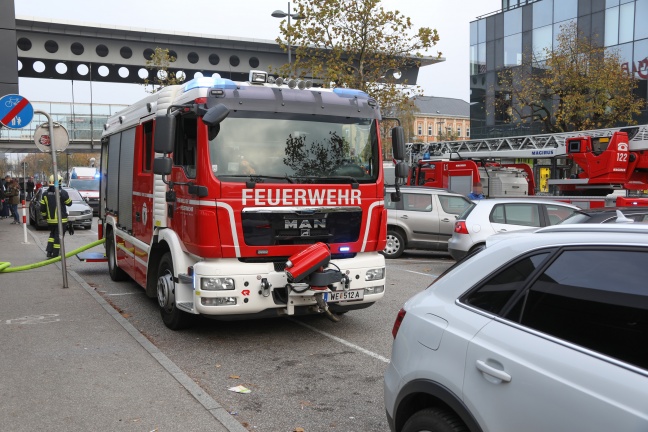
(344, 342)
(35, 319)
(415, 272)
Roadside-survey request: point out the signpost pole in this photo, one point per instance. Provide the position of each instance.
(59, 210)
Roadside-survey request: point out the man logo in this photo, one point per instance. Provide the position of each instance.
(305, 224)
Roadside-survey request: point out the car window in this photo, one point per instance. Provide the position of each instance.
(74, 194)
(493, 295)
(389, 204)
(576, 218)
(454, 204)
(466, 212)
(417, 202)
(558, 213)
(634, 217)
(594, 298)
(516, 214)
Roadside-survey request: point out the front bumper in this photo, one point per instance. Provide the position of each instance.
(81, 220)
(259, 288)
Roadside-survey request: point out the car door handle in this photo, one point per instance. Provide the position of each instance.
(138, 217)
(502, 230)
(445, 220)
(404, 217)
(489, 370)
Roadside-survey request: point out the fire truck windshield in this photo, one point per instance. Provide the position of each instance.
(280, 147)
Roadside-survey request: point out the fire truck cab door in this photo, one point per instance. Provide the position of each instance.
(421, 215)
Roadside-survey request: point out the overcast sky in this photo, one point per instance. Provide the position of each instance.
(250, 18)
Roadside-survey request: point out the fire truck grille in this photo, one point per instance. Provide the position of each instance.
(276, 229)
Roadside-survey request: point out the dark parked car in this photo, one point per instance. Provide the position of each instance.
(79, 213)
(607, 215)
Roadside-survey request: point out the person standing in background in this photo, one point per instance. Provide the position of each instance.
(30, 189)
(477, 192)
(13, 195)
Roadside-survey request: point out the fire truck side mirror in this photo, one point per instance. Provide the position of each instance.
(402, 170)
(215, 115)
(164, 134)
(398, 142)
(162, 165)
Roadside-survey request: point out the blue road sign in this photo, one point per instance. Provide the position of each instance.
(15, 111)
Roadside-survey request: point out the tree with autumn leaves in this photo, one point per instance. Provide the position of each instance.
(578, 85)
(356, 44)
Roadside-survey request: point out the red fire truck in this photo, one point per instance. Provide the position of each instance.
(594, 163)
(247, 199)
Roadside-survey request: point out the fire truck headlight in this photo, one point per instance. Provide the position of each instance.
(217, 284)
(374, 289)
(375, 274)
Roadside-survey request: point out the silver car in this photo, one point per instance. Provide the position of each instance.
(423, 219)
(542, 330)
(79, 213)
(491, 216)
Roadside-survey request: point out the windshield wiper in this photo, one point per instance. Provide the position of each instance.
(258, 178)
(354, 182)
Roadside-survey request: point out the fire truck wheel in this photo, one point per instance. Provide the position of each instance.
(395, 245)
(172, 317)
(115, 272)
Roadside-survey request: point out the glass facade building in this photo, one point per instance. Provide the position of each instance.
(524, 28)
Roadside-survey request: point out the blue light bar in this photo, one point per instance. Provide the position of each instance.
(209, 82)
(350, 93)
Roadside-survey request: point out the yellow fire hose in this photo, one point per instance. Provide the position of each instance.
(5, 267)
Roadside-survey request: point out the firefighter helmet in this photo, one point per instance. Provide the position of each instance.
(51, 179)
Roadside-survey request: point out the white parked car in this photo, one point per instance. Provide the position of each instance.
(541, 330)
(491, 216)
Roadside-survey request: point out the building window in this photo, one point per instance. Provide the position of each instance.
(420, 129)
(512, 22)
(468, 132)
(440, 130)
(612, 26)
(641, 31)
(458, 131)
(542, 13)
(565, 9)
(513, 50)
(559, 28)
(542, 38)
(430, 133)
(626, 22)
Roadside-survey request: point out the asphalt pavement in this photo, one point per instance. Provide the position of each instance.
(70, 362)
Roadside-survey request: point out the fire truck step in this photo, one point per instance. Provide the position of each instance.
(185, 278)
(92, 257)
(188, 306)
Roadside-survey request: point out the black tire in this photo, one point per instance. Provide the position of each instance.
(115, 272)
(434, 420)
(395, 245)
(173, 318)
(32, 222)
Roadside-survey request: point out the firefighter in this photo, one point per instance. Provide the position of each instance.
(49, 211)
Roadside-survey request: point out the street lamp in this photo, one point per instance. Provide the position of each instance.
(295, 16)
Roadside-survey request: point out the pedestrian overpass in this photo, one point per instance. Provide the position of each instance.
(84, 123)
